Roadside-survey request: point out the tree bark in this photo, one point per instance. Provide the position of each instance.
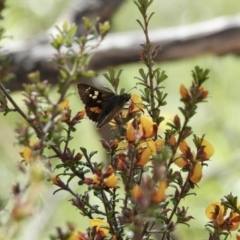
(217, 36)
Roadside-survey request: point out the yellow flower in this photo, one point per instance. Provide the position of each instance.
(144, 154)
(148, 126)
(111, 181)
(64, 104)
(27, 153)
(130, 134)
(215, 211)
(208, 149)
(136, 104)
(122, 147)
(227, 220)
(96, 180)
(152, 146)
(102, 227)
(205, 151)
(180, 161)
(142, 128)
(159, 143)
(196, 174)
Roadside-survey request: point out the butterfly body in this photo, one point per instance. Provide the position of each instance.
(101, 106)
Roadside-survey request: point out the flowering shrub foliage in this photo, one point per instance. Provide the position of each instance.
(146, 175)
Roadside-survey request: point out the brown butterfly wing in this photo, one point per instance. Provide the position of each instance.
(95, 100)
(112, 108)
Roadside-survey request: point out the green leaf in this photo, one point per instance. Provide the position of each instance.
(143, 84)
(65, 26)
(92, 154)
(142, 73)
(138, 21)
(84, 150)
(147, 93)
(104, 28)
(87, 23)
(72, 31)
(199, 75)
(142, 80)
(122, 90)
(150, 17)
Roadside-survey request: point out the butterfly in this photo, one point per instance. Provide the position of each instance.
(101, 106)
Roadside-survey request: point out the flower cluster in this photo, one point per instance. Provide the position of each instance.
(188, 160)
(224, 217)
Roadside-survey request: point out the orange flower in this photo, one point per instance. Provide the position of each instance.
(64, 106)
(172, 140)
(184, 92)
(184, 148)
(102, 227)
(111, 181)
(146, 149)
(159, 194)
(57, 181)
(21, 209)
(137, 192)
(79, 116)
(114, 144)
(180, 159)
(202, 93)
(227, 220)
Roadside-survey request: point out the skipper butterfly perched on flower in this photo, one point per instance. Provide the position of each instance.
(101, 106)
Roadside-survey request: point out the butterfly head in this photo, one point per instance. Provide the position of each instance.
(125, 97)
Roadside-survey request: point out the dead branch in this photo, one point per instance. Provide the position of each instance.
(217, 36)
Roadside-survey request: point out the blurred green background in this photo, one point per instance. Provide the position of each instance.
(218, 118)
